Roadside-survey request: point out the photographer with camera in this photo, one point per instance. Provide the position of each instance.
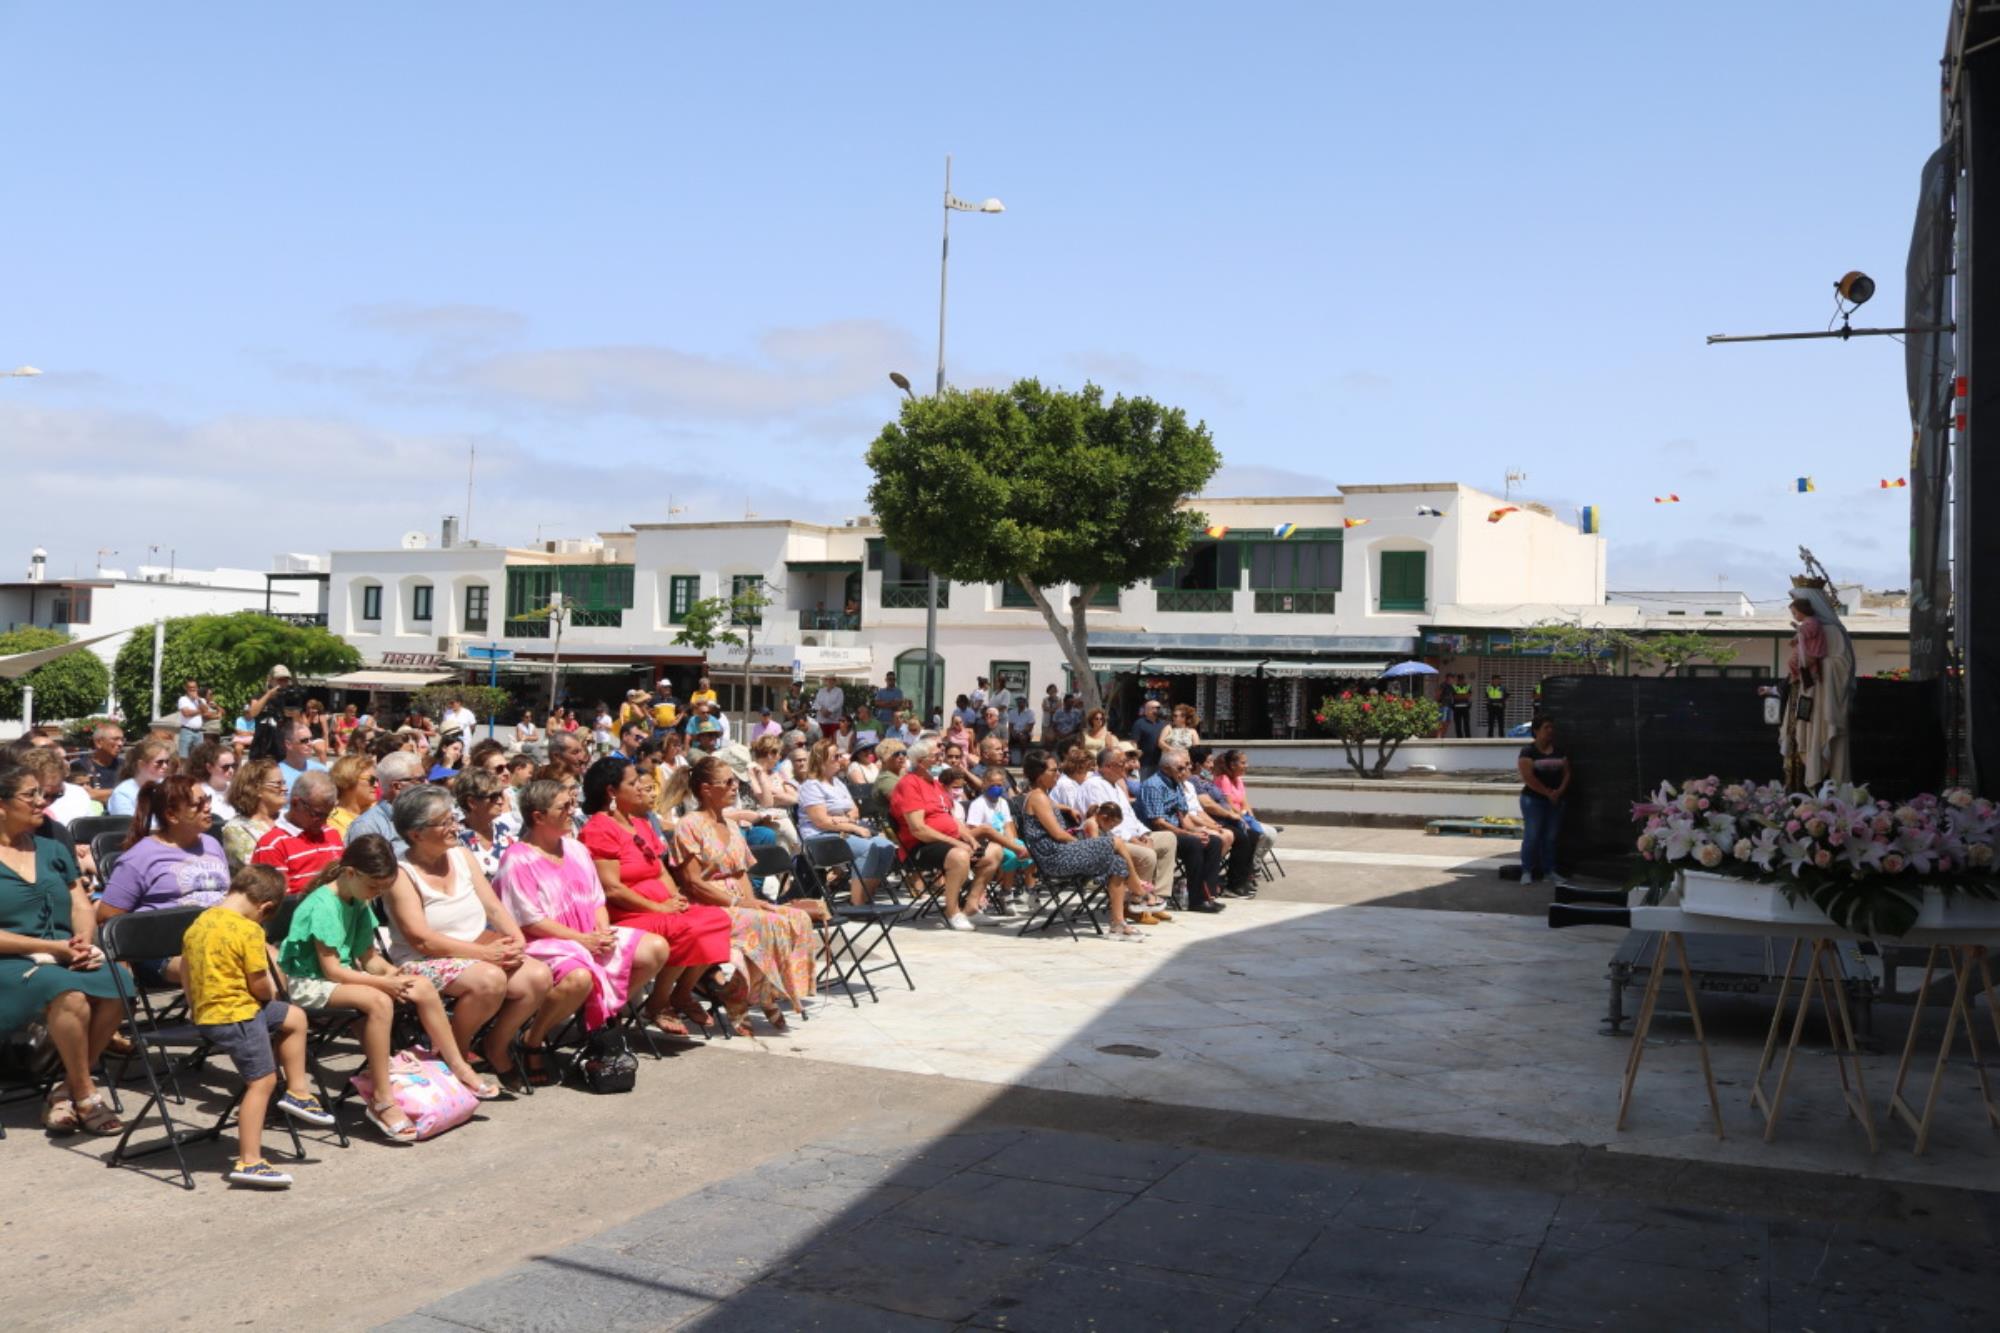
(270, 712)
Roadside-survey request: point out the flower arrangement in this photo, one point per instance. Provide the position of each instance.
(1387, 720)
(1864, 863)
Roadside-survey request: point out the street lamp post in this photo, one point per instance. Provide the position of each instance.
(952, 204)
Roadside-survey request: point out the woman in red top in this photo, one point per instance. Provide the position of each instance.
(629, 857)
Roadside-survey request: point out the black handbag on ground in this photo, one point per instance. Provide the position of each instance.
(604, 1063)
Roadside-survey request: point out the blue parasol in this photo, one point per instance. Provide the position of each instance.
(1409, 669)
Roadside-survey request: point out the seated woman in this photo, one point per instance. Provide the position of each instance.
(1096, 734)
(145, 763)
(483, 826)
(525, 731)
(447, 926)
(1182, 733)
(450, 758)
(895, 761)
(629, 857)
(169, 860)
(214, 762)
(51, 969)
(329, 961)
(865, 767)
(548, 884)
(258, 793)
(772, 791)
(777, 945)
(354, 786)
(829, 811)
(1059, 853)
(959, 733)
(1230, 768)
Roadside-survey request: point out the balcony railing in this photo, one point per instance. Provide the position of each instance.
(912, 596)
(823, 620)
(1195, 599)
(302, 619)
(582, 618)
(1296, 603)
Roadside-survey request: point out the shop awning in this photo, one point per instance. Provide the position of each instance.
(1113, 663)
(389, 680)
(1198, 666)
(823, 566)
(1325, 670)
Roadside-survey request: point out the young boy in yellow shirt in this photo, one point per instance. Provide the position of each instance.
(232, 989)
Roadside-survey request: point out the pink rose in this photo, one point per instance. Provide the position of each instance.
(1822, 858)
(1792, 826)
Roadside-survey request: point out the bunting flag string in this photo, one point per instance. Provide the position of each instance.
(1502, 512)
(1898, 484)
(1668, 499)
(1217, 530)
(1804, 486)
(1426, 511)
(1593, 519)
(1284, 530)
(1352, 522)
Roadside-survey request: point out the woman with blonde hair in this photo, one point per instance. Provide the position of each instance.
(258, 796)
(354, 781)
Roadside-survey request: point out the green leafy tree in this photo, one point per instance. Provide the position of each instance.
(232, 654)
(72, 686)
(713, 622)
(1597, 648)
(1042, 487)
(1382, 720)
(484, 700)
(1674, 650)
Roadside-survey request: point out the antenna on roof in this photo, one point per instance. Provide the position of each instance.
(1515, 476)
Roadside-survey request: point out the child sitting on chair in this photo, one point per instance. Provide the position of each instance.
(234, 1000)
(329, 954)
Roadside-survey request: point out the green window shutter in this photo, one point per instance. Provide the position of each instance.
(683, 590)
(1014, 597)
(1106, 595)
(1403, 581)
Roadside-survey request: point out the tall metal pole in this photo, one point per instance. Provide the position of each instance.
(931, 583)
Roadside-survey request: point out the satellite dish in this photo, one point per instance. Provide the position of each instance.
(414, 541)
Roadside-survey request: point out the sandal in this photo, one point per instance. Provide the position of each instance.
(59, 1112)
(1124, 933)
(481, 1091)
(667, 1023)
(404, 1132)
(776, 1018)
(97, 1116)
(534, 1066)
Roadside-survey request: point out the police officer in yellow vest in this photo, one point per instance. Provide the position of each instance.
(1496, 708)
(1461, 708)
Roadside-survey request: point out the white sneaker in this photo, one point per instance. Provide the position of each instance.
(958, 922)
(984, 919)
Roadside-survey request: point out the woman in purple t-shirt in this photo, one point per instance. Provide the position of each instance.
(169, 860)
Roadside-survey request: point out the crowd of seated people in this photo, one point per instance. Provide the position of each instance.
(504, 897)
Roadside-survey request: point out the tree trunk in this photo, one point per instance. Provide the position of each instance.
(1074, 641)
(749, 653)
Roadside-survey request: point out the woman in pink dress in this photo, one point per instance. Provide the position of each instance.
(548, 883)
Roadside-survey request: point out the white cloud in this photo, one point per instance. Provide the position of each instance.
(1120, 372)
(463, 322)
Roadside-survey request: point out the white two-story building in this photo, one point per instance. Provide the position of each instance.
(1280, 599)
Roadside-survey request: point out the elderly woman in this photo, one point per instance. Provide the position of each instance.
(214, 763)
(959, 733)
(895, 757)
(1182, 733)
(447, 926)
(777, 945)
(51, 970)
(482, 807)
(354, 785)
(772, 791)
(631, 866)
(259, 797)
(548, 883)
(145, 763)
(827, 810)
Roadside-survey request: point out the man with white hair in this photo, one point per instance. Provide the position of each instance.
(1152, 849)
(301, 843)
(564, 749)
(395, 774)
(932, 840)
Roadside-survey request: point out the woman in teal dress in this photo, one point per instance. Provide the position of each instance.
(51, 970)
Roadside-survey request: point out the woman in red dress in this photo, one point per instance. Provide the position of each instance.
(629, 858)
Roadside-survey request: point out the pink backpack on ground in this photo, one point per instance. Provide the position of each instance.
(424, 1090)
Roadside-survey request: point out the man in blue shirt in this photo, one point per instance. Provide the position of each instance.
(395, 773)
(1146, 735)
(1163, 807)
(298, 758)
(889, 701)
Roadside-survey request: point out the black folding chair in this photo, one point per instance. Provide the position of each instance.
(138, 935)
(104, 850)
(771, 861)
(853, 931)
(87, 829)
(1269, 868)
(1063, 899)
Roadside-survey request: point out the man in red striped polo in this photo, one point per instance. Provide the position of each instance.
(301, 843)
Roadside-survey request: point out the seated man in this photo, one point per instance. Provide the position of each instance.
(932, 840)
(1152, 850)
(302, 843)
(298, 757)
(993, 759)
(1164, 808)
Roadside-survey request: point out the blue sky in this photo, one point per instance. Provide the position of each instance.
(285, 264)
